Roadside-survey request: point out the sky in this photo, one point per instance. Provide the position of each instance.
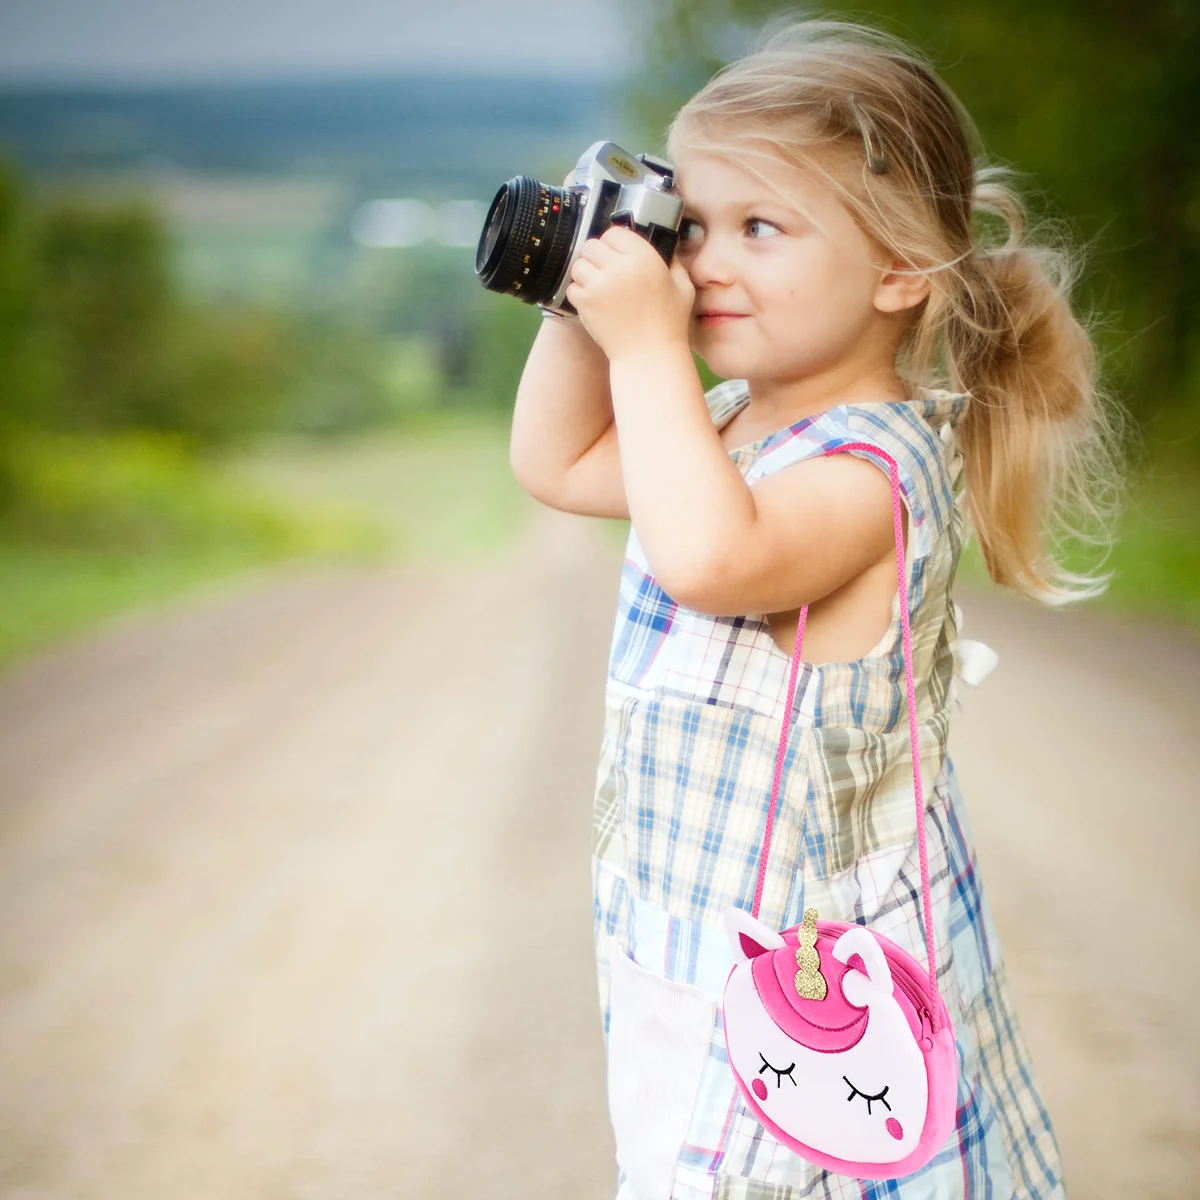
(86, 41)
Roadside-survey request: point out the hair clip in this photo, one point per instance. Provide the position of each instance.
(877, 160)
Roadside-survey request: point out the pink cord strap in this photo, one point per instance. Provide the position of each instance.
(910, 688)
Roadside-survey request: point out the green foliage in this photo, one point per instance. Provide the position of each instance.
(500, 333)
(97, 335)
(109, 304)
(27, 367)
(131, 352)
(413, 375)
(146, 492)
(332, 376)
(1155, 561)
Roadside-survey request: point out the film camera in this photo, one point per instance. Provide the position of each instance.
(533, 231)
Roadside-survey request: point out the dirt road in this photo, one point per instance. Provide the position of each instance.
(294, 898)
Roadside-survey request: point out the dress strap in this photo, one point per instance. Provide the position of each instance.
(910, 689)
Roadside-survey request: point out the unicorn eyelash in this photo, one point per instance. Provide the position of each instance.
(869, 1099)
(779, 1075)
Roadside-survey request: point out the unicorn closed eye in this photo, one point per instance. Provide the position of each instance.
(832, 1044)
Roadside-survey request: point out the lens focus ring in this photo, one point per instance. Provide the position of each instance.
(526, 239)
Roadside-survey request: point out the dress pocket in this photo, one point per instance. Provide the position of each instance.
(659, 1033)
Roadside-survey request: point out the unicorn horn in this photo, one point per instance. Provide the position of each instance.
(810, 983)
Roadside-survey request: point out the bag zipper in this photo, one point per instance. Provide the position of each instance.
(926, 1011)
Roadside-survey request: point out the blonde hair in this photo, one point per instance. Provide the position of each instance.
(1037, 435)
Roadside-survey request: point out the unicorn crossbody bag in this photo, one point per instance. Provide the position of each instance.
(838, 1038)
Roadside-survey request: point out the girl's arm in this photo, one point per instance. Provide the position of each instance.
(563, 448)
(716, 544)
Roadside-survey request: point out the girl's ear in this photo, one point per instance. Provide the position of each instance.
(900, 287)
(749, 937)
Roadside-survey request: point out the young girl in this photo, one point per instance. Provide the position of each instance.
(829, 269)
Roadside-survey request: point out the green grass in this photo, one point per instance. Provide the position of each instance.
(52, 591)
(1155, 558)
(120, 524)
(440, 484)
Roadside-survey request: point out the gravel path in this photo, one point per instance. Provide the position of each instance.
(294, 899)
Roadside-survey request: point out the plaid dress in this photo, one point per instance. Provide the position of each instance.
(693, 708)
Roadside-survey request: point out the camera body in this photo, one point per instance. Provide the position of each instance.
(534, 232)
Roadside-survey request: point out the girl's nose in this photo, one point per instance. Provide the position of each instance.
(710, 263)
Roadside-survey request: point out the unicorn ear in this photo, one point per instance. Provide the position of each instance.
(856, 987)
(749, 937)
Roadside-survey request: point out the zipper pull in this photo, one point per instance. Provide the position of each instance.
(927, 1030)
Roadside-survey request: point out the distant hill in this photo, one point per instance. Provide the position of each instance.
(260, 182)
(413, 135)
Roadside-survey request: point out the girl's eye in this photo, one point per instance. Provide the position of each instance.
(779, 1075)
(690, 231)
(760, 221)
(869, 1099)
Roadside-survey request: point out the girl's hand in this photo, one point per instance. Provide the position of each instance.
(627, 297)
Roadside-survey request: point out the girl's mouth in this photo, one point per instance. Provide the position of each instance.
(707, 319)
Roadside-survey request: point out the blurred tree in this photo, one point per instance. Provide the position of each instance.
(335, 375)
(488, 365)
(27, 368)
(1095, 101)
(96, 336)
(113, 311)
(233, 369)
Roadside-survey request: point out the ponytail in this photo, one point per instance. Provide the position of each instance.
(1036, 441)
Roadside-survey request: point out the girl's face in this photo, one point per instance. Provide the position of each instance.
(804, 297)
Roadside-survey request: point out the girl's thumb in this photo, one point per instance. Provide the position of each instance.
(682, 279)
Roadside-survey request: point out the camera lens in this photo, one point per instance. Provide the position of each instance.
(527, 238)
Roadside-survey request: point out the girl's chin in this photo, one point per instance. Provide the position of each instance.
(717, 340)
(718, 359)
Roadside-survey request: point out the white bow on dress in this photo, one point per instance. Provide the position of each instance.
(973, 661)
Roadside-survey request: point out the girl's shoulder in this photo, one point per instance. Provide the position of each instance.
(919, 434)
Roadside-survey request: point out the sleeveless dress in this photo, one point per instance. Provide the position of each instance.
(693, 708)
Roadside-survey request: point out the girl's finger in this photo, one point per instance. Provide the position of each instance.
(581, 267)
(617, 238)
(594, 250)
